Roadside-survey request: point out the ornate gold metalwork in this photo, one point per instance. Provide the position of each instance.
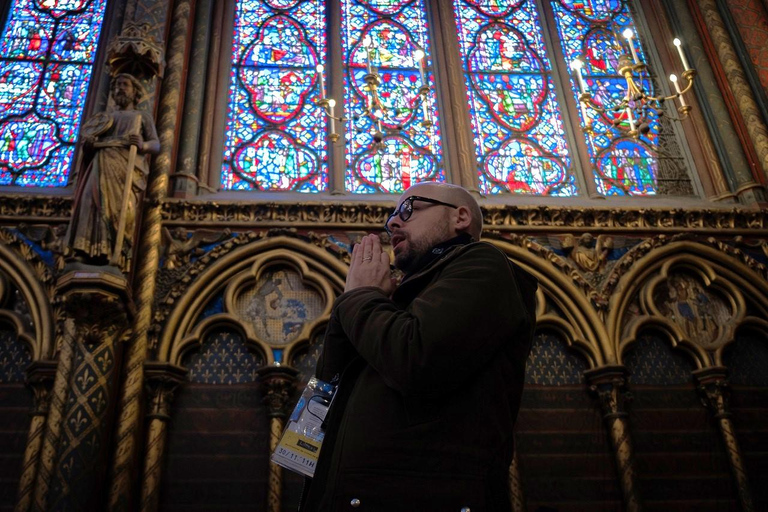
(278, 387)
(714, 392)
(609, 385)
(162, 381)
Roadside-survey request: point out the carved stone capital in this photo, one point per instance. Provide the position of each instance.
(135, 51)
(161, 381)
(714, 390)
(609, 383)
(277, 384)
(40, 377)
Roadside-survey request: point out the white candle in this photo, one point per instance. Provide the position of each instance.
(673, 79)
(630, 119)
(320, 70)
(628, 34)
(419, 56)
(679, 46)
(584, 113)
(576, 66)
(331, 105)
(367, 45)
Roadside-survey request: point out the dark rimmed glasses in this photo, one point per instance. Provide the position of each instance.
(405, 210)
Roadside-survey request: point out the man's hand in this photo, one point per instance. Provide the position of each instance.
(370, 266)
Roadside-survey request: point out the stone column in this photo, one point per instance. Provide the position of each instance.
(162, 379)
(748, 190)
(714, 392)
(40, 375)
(278, 386)
(516, 486)
(128, 433)
(98, 308)
(609, 385)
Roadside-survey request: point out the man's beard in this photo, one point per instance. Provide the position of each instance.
(413, 251)
(122, 100)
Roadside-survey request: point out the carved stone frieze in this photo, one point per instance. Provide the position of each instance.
(27, 208)
(504, 218)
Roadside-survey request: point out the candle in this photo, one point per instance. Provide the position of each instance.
(679, 46)
(576, 66)
(331, 105)
(628, 34)
(584, 113)
(320, 70)
(673, 79)
(368, 46)
(630, 119)
(419, 56)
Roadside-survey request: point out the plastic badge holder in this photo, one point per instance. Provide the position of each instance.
(303, 436)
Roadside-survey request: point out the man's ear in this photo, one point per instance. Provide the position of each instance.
(463, 219)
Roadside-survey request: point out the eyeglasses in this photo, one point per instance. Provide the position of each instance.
(405, 210)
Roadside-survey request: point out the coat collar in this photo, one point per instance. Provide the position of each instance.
(436, 253)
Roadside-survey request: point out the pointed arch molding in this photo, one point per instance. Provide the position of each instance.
(582, 327)
(735, 283)
(240, 268)
(34, 280)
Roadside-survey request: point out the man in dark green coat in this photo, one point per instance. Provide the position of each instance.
(430, 371)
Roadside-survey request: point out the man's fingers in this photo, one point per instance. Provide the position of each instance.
(367, 248)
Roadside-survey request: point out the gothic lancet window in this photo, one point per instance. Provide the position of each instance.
(386, 35)
(275, 133)
(519, 130)
(47, 53)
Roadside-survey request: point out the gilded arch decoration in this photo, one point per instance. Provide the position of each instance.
(564, 298)
(24, 270)
(262, 271)
(659, 292)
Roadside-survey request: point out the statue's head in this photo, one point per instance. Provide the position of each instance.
(126, 89)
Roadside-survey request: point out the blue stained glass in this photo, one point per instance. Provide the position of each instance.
(46, 57)
(409, 150)
(519, 132)
(588, 31)
(275, 133)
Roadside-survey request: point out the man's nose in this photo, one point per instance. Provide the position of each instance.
(394, 222)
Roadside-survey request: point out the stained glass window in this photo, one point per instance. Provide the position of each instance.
(590, 31)
(46, 56)
(519, 131)
(275, 132)
(391, 146)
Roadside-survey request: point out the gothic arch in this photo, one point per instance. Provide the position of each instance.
(581, 327)
(237, 269)
(714, 272)
(19, 263)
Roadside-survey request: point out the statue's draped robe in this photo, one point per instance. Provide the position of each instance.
(98, 201)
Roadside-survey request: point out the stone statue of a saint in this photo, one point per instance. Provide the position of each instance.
(116, 144)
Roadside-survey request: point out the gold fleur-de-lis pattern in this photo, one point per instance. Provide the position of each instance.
(223, 358)
(83, 432)
(14, 357)
(550, 364)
